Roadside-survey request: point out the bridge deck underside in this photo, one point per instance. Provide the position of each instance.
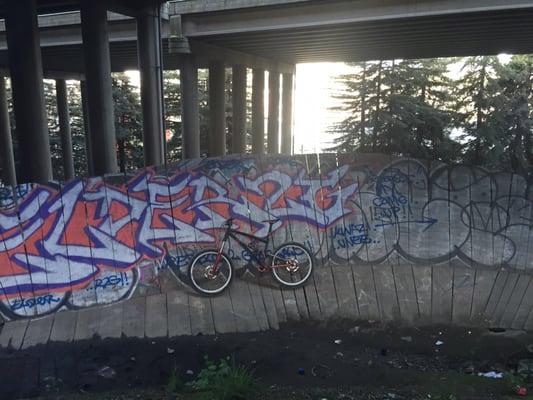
(466, 34)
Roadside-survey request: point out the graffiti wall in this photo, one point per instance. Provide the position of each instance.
(100, 240)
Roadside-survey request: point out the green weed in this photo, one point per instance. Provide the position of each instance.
(224, 380)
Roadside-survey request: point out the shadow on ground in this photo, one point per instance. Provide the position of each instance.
(344, 360)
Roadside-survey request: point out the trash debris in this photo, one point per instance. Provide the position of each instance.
(521, 391)
(170, 350)
(491, 374)
(338, 341)
(439, 343)
(321, 371)
(408, 339)
(354, 330)
(106, 372)
(338, 355)
(301, 371)
(189, 372)
(468, 368)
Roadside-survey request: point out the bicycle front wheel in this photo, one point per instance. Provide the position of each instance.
(292, 264)
(209, 276)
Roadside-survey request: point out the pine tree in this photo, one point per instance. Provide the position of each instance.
(474, 96)
(396, 107)
(512, 118)
(128, 123)
(172, 94)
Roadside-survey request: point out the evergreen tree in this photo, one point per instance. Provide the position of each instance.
(474, 96)
(396, 107)
(512, 118)
(128, 124)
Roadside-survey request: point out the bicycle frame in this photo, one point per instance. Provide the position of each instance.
(234, 234)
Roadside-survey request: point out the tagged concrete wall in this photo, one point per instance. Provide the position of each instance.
(394, 238)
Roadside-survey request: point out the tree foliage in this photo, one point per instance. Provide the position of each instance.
(481, 116)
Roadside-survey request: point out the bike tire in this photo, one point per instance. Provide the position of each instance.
(196, 285)
(310, 268)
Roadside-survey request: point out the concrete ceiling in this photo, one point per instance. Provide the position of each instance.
(340, 30)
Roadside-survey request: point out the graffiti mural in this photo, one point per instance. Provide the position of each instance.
(100, 240)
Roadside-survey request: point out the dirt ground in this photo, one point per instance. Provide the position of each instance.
(342, 360)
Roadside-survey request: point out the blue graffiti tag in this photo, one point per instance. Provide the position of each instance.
(111, 280)
(34, 301)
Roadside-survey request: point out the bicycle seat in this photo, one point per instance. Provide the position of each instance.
(229, 222)
(271, 221)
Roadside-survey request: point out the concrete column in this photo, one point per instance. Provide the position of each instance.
(99, 87)
(238, 138)
(6, 143)
(258, 111)
(190, 118)
(149, 49)
(64, 128)
(86, 128)
(273, 112)
(25, 65)
(217, 118)
(286, 114)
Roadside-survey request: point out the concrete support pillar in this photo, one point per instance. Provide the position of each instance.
(273, 112)
(149, 49)
(26, 70)
(286, 114)
(6, 143)
(99, 87)
(217, 118)
(87, 128)
(238, 138)
(190, 118)
(258, 111)
(64, 128)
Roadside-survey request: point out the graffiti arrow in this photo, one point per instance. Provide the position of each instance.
(425, 220)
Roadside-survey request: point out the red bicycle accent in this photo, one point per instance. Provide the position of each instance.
(291, 264)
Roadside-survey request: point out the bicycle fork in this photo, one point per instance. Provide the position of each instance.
(214, 271)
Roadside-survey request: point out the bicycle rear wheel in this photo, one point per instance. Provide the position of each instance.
(203, 277)
(292, 264)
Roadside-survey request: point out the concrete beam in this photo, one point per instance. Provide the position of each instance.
(301, 14)
(7, 157)
(64, 129)
(99, 88)
(206, 51)
(273, 112)
(87, 129)
(287, 114)
(190, 123)
(200, 6)
(238, 137)
(217, 115)
(28, 92)
(150, 68)
(258, 111)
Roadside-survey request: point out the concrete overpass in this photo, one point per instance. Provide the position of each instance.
(87, 40)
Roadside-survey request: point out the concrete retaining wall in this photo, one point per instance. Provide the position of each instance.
(393, 238)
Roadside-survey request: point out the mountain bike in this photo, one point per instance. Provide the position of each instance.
(211, 270)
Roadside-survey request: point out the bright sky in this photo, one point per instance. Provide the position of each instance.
(314, 96)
